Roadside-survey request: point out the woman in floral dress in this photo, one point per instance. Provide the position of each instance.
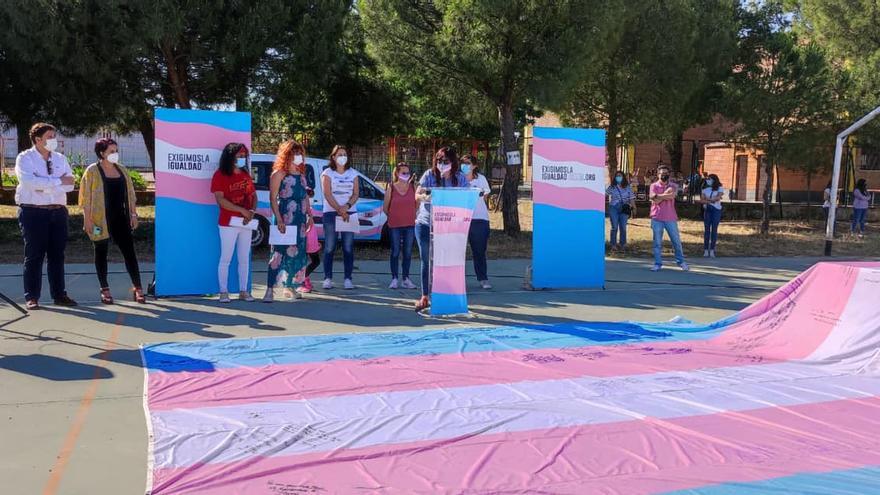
(288, 195)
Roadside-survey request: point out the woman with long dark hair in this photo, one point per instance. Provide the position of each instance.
(861, 202)
(400, 208)
(711, 197)
(444, 172)
(621, 205)
(107, 197)
(289, 199)
(236, 195)
(478, 233)
(341, 191)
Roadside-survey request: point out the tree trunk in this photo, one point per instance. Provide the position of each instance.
(510, 188)
(676, 151)
(148, 132)
(22, 130)
(767, 196)
(809, 196)
(175, 66)
(611, 148)
(778, 190)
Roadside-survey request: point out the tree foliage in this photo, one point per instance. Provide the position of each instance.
(663, 74)
(508, 53)
(783, 92)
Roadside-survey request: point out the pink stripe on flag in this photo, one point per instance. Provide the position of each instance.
(567, 198)
(193, 136)
(460, 225)
(777, 336)
(176, 186)
(633, 457)
(564, 150)
(449, 280)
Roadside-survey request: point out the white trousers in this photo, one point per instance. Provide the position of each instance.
(234, 239)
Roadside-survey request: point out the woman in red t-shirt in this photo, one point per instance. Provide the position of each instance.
(237, 197)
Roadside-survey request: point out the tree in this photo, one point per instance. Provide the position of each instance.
(509, 52)
(783, 90)
(662, 76)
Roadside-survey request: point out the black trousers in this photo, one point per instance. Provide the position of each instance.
(120, 233)
(45, 236)
(315, 260)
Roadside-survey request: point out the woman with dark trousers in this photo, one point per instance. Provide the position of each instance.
(478, 233)
(444, 172)
(107, 197)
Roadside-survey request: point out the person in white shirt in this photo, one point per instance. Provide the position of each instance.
(478, 235)
(341, 191)
(44, 179)
(711, 197)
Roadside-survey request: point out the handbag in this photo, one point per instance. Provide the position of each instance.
(626, 209)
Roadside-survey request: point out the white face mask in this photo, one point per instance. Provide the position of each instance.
(297, 159)
(113, 158)
(444, 167)
(341, 160)
(51, 144)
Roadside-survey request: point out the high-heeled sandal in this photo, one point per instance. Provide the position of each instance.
(138, 296)
(106, 297)
(422, 303)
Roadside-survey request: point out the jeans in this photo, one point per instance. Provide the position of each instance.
(859, 218)
(423, 238)
(239, 241)
(478, 238)
(329, 221)
(711, 219)
(45, 236)
(618, 224)
(671, 228)
(120, 233)
(404, 236)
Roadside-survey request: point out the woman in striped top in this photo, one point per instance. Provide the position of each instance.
(621, 205)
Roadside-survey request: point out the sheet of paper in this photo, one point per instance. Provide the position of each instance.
(352, 225)
(239, 222)
(288, 238)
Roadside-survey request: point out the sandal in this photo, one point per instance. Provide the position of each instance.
(423, 303)
(138, 295)
(106, 297)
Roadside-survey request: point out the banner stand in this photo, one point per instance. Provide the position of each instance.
(451, 211)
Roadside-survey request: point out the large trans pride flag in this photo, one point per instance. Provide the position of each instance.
(568, 202)
(782, 397)
(188, 147)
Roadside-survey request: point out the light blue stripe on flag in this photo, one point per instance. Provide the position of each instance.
(847, 482)
(233, 121)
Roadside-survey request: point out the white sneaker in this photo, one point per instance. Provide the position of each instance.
(393, 284)
(485, 285)
(407, 284)
(347, 284)
(684, 267)
(656, 268)
(712, 253)
(705, 253)
(328, 284)
(269, 296)
(224, 298)
(245, 296)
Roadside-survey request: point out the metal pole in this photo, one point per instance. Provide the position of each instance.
(835, 175)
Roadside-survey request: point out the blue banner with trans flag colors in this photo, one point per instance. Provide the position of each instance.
(188, 148)
(451, 212)
(568, 190)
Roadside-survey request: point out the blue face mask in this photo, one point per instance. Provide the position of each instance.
(241, 162)
(465, 168)
(618, 179)
(709, 182)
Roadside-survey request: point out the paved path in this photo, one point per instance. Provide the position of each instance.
(71, 413)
